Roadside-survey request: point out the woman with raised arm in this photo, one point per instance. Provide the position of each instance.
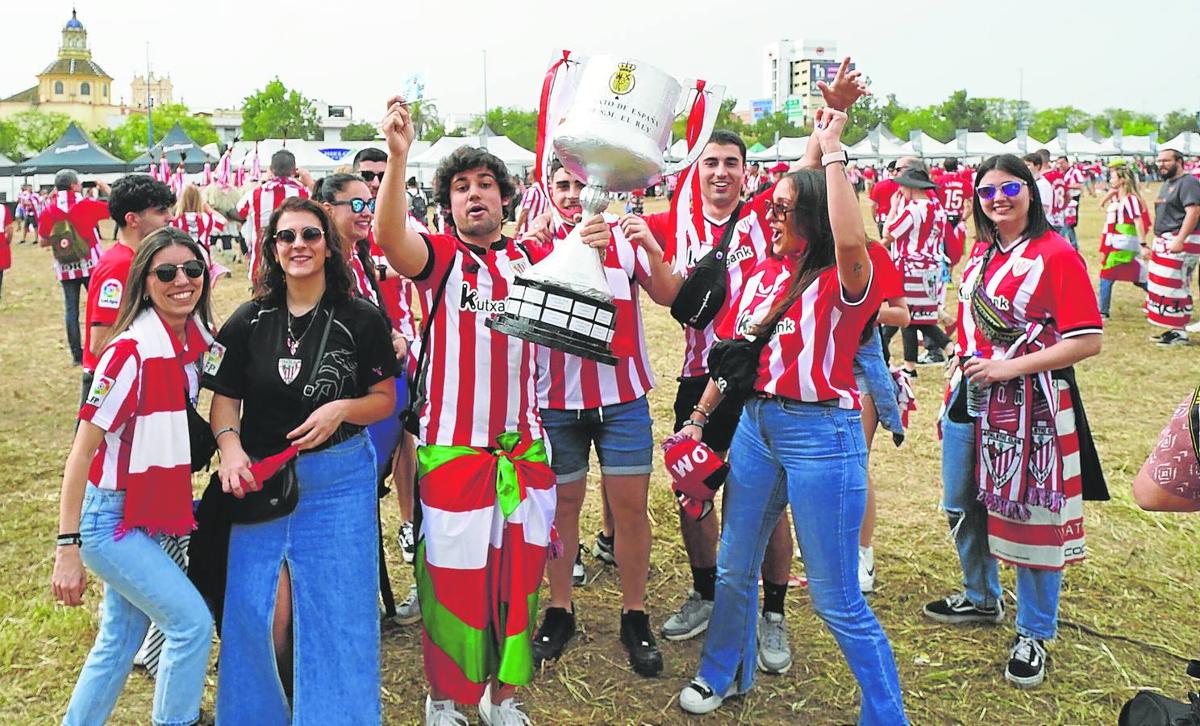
(128, 483)
(800, 439)
(1017, 455)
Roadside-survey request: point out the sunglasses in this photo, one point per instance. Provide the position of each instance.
(167, 272)
(779, 211)
(356, 205)
(308, 235)
(1008, 189)
(371, 176)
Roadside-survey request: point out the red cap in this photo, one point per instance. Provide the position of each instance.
(781, 167)
(696, 473)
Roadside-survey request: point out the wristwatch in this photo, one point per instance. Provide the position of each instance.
(835, 157)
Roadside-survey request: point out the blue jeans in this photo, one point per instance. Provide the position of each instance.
(1037, 590)
(875, 380)
(141, 583)
(385, 435)
(814, 458)
(622, 433)
(330, 545)
(71, 315)
(1069, 232)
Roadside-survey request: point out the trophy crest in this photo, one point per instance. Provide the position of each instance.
(613, 137)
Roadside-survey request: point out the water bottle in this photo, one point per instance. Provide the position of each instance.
(976, 396)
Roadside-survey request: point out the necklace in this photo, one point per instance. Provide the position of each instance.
(293, 343)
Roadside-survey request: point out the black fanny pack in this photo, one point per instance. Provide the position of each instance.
(704, 291)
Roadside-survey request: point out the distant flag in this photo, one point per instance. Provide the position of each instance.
(164, 169)
(256, 167)
(208, 174)
(154, 171)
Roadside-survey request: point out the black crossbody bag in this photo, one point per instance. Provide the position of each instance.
(410, 417)
(704, 291)
(279, 494)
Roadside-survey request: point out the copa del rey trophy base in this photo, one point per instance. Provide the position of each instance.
(613, 137)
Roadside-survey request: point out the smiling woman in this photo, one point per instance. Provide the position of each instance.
(279, 386)
(127, 484)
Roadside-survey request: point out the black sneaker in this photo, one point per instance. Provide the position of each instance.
(907, 372)
(603, 549)
(931, 357)
(1171, 337)
(558, 627)
(958, 609)
(644, 654)
(578, 574)
(1026, 662)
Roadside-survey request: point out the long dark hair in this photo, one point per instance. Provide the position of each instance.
(326, 191)
(135, 300)
(1035, 223)
(270, 284)
(810, 219)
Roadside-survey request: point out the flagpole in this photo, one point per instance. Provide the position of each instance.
(149, 104)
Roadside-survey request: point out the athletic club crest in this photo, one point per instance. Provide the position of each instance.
(1043, 453)
(623, 80)
(289, 368)
(1001, 455)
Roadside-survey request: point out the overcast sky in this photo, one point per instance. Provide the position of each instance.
(1091, 54)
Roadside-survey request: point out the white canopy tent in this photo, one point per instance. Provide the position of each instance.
(517, 158)
(980, 144)
(930, 148)
(1186, 143)
(1136, 146)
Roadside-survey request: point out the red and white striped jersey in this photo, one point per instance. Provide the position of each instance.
(362, 282)
(810, 356)
(258, 204)
(1058, 196)
(918, 228)
(1075, 176)
(1034, 281)
(569, 382)
(480, 382)
(200, 225)
(536, 202)
(750, 244)
(84, 213)
(111, 404)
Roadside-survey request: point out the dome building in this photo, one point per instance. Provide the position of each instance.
(72, 84)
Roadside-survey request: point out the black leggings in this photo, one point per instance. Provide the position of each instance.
(932, 332)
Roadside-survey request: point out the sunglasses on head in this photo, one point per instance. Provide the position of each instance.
(308, 234)
(357, 205)
(371, 176)
(1008, 189)
(166, 272)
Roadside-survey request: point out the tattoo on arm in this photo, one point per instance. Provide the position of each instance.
(858, 268)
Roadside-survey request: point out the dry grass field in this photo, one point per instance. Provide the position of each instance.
(1129, 613)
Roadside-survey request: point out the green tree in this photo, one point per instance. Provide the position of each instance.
(763, 131)
(928, 119)
(1178, 121)
(425, 119)
(10, 140)
(275, 112)
(109, 140)
(129, 139)
(37, 130)
(964, 112)
(1048, 121)
(359, 131)
(515, 123)
(726, 119)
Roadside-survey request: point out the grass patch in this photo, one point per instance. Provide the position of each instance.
(1140, 580)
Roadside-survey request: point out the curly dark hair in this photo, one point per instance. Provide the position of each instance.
(465, 158)
(270, 283)
(136, 193)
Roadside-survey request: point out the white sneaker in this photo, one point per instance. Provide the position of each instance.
(505, 713)
(774, 652)
(1193, 327)
(866, 569)
(699, 698)
(444, 713)
(409, 611)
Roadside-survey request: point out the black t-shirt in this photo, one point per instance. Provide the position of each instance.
(256, 366)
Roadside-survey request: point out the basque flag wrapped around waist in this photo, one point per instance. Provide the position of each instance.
(488, 516)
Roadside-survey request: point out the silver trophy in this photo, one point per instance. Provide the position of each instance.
(613, 137)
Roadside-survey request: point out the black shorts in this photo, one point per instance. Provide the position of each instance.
(718, 432)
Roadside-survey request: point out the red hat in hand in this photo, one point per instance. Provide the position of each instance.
(696, 474)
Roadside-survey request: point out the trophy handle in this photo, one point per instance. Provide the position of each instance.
(712, 107)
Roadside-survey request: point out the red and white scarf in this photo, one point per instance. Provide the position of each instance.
(158, 480)
(687, 206)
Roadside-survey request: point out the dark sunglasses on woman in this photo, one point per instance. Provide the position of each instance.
(357, 205)
(308, 234)
(1009, 189)
(167, 272)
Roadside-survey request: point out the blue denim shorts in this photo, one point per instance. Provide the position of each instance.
(622, 434)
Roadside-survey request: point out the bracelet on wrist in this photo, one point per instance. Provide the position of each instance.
(68, 539)
(702, 410)
(694, 422)
(226, 430)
